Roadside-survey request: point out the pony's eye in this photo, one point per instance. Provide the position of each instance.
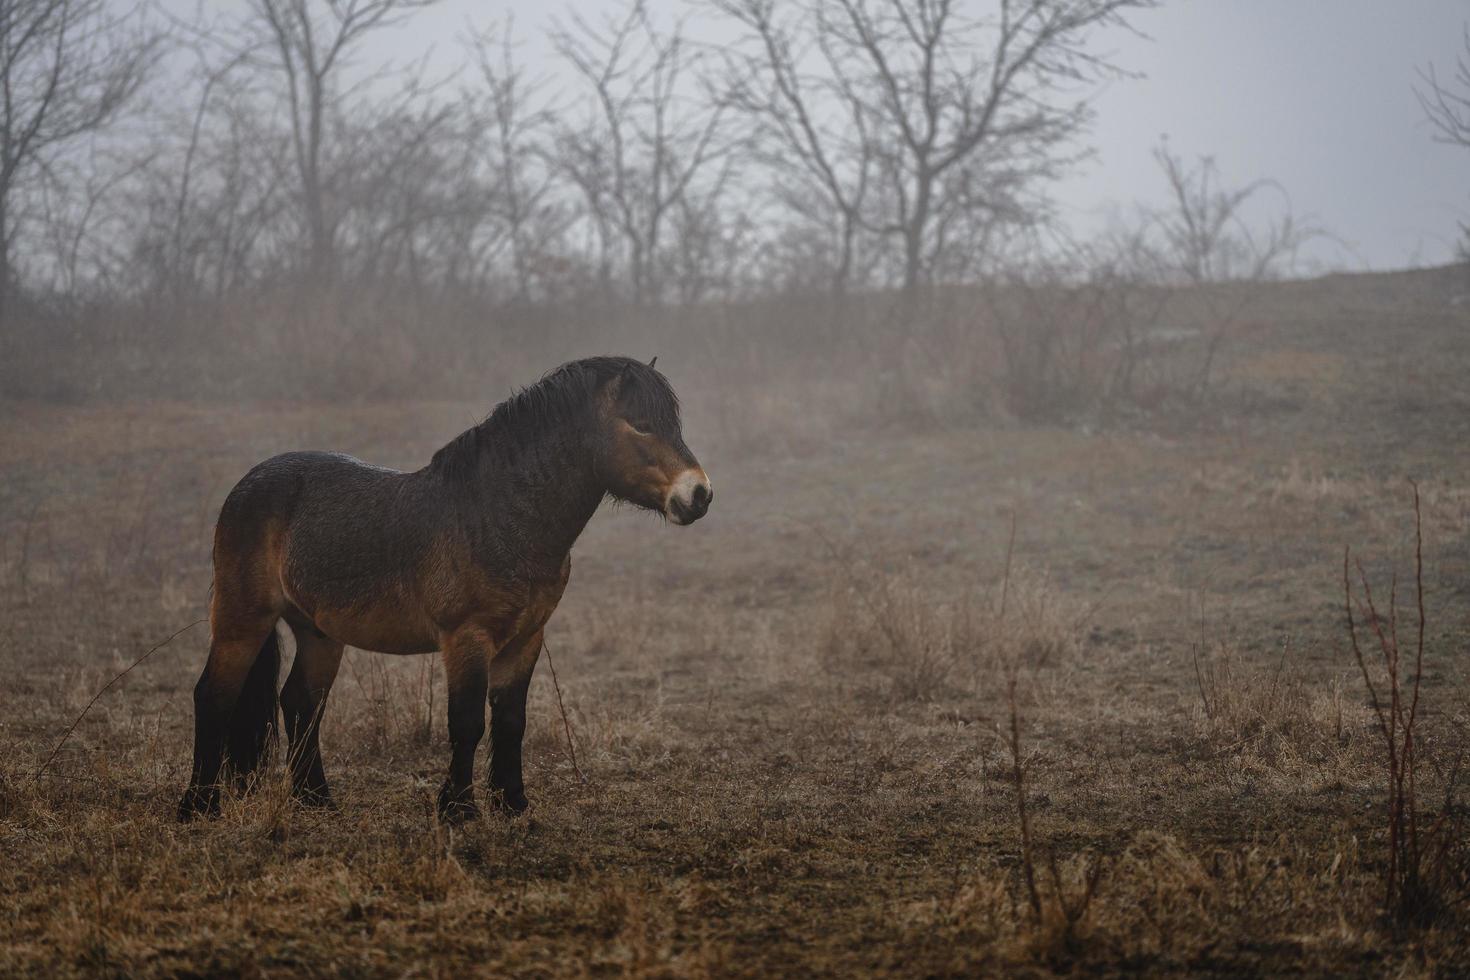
(640, 427)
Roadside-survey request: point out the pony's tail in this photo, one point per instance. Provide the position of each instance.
(252, 732)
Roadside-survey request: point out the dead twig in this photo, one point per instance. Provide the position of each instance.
(117, 677)
(1421, 877)
(561, 706)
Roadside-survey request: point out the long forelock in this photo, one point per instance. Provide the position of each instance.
(647, 395)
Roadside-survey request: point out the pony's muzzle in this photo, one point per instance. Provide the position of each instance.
(689, 497)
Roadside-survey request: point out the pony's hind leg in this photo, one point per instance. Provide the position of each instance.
(303, 700)
(234, 706)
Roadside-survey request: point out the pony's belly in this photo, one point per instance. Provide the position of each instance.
(380, 629)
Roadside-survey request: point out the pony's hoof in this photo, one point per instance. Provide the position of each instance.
(316, 799)
(457, 807)
(510, 804)
(199, 802)
(458, 812)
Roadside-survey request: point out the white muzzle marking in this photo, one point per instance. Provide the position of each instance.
(691, 506)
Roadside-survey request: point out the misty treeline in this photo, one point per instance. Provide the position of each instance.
(247, 185)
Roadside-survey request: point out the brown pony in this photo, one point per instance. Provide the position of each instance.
(468, 555)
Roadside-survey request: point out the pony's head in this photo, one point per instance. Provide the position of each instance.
(642, 457)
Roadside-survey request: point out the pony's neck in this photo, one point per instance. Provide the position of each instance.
(533, 494)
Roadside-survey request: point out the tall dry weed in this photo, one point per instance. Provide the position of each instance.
(1427, 871)
(923, 643)
(1271, 714)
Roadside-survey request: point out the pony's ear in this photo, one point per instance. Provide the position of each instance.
(614, 387)
(654, 361)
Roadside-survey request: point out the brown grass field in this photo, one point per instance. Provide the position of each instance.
(791, 722)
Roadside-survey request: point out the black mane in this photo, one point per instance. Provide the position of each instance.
(564, 395)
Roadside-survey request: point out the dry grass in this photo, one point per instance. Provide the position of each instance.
(792, 722)
(1274, 719)
(922, 645)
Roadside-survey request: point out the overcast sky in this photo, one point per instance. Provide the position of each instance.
(1317, 94)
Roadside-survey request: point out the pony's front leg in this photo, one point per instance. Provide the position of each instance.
(467, 656)
(510, 679)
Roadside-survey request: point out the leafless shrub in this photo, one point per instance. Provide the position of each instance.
(1271, 714)
(891, 622)
(1428, 867)
(1166, 898)
(1159, 900)
(924, 643)
(1079, 340)
(1104, 328)
(1203, 235)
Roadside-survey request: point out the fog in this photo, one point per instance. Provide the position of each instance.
(1316, 96)
(1244, 81)
(938, 488)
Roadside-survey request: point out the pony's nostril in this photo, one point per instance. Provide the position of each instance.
(702, 496)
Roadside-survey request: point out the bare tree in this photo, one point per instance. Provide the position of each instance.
(814, 125)
(79, 227)
(169, 216)
(647, 137)
(1446, 101)
(68, 68)
(230, 205)
(946, 92)
(408, 189)
(521, 177)
(308, 43)
(709, 247)
(208, 214)
(1446, 104)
